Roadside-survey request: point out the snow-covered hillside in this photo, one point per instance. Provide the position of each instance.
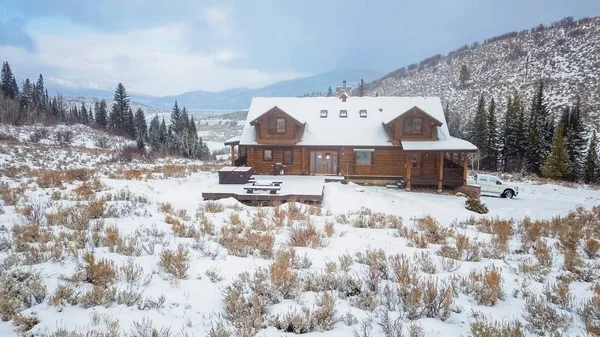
(92, 246)
(566, 56)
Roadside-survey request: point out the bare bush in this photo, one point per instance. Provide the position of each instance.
(19, 290)
(175, 262)
(482, 326)
(306, 235)
(485, 286)
(542, 318)
(282, 275)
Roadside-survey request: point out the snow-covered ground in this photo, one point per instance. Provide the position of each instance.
(153, 213)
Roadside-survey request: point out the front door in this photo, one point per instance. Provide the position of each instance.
(323, 162)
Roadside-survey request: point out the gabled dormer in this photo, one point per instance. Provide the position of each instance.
(276, 126)
(413, 124)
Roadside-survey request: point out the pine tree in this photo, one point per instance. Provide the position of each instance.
(177, 123)
(163, 133)
(154, 133)
(40, 94)
(479, 131)
(574, 138)
(591, 172)
(8, 84)
(101, 118)
(539, 129)
(361, 88)
(329, 92)
(141, 129)
(120, 110)
(83, 114)
(464, 76)
(557, 165)
(452, 121)
(491, 147)
(130, 124)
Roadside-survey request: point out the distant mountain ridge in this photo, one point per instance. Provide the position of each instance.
(231, 99)
(565, 54)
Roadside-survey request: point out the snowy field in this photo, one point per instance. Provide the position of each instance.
(128, 249)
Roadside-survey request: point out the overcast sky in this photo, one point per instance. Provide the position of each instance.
(169, 47)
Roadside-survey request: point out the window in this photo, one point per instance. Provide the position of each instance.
(287, 157)
(343, 113)
(323, 113)
(277, 125)
(415, 162)
(362, 113)
(363, 157)
(413, 126)
(267, 155)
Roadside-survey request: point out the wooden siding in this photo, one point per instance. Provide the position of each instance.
(292, 134)
(261, 166)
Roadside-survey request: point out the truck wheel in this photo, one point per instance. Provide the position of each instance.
(508, 194)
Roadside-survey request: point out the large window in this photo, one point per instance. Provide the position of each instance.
(277, 125)
(413, 126)
(288, 157)
(363, 157)
(267, 155)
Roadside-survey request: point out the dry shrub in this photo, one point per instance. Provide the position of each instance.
(206, 226)
(486, 286)
(426, 263)
(180, 229)
(434, 232)
(96, 209)
(243, 241)
(306, 235)
(173, 171)
(449, 252)
(534, 270)
(560, 294)
(572, 261)
(542, 318)
(296, 211)
(98, 295)
(416, 239)
(212, 207)
(166, 207)
(482, 326)
(543, 253)
(305, 321)
(532, 230)
(329, 229)
(282, 275)
(176, 262)
(591, 248)
(24, 323)
(467, 250)
(100, 273)
(11, 196)
(591, 312)
(346, 262)
(135, 174)
(77, 174)
(50, 179)
(244, 307)
(19, 290)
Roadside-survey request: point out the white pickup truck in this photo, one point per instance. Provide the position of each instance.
(493, 186)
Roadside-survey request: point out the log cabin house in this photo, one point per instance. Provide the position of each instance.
(383, 138)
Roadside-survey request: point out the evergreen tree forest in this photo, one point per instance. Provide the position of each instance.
(524, 137)
(30, 104)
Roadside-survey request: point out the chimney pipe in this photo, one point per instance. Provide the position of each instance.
(344, 83)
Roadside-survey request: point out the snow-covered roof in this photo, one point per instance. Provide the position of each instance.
(232, 140)
(352, 130)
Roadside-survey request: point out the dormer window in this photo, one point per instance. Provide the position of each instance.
(362, 113)
(343, 113)
(276, 125)
(323, 113)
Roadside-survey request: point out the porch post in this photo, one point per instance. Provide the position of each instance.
(408, 171)
(440, 171)
(232, 155)
(465, 166)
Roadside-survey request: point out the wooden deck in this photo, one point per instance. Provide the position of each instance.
(308, 189)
